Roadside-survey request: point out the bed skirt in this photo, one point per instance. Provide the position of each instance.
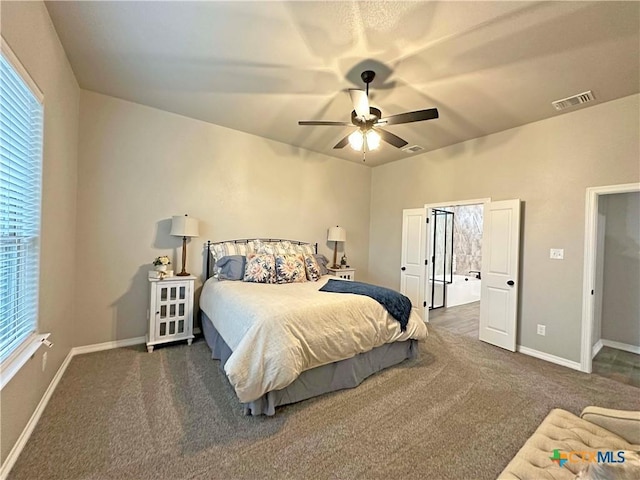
(347, 373)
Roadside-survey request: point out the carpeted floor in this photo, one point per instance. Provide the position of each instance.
(460, 411)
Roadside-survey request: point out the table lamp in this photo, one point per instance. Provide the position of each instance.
(336, 234)
(184, 226)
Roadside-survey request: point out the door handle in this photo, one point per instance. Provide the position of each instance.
(403, 268)
(511, 283)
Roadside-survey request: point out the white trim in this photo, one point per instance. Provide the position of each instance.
(458, 203)
(621, 346)
(5, 468)
(33, 421)
(19, 357)
(596, 349)
(548, 357)
(589, 269)
(18, 67)
(98, 347)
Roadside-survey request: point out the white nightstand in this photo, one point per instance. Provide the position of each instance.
(343, 273)
(170, 310)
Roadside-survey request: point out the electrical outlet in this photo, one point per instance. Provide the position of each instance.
(44, 361)
(556, 253)
(542, 330)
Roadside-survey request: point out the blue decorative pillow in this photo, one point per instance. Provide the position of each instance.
(312, 268)
(260, 268)
(322, 263)
(231, 267)
(290, 268)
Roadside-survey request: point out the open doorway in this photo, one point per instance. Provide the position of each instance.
(611, 309)
(454, 276)
(498, 280)
(615, 306)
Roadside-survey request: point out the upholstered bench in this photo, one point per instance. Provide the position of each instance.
(597, 429)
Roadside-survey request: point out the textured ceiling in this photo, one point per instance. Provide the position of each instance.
(259, 67)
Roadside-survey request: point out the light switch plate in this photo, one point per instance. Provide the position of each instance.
(556, 253)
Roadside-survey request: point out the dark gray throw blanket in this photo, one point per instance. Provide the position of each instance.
(398, 306)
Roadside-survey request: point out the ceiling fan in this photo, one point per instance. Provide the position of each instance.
(369, 119)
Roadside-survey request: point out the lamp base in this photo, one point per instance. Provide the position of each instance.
(182, 274)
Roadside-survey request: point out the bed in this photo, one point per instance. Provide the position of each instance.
(283, 343)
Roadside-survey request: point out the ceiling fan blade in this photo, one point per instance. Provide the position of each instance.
(342, 143)
(322, 122)
(360, 102)
(389, 137)
(408, 117)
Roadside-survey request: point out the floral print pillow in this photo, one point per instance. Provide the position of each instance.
(260, 268)
(290, 268)
(265, 247)
(312, 268)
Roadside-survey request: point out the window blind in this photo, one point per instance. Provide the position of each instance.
(21, 115)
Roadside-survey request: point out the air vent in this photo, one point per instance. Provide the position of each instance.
(412, 149)
(573, 101)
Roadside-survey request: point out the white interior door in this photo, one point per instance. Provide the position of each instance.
(427, 249)
(413, 269)
(500, 262)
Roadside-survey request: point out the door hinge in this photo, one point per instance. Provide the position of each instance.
(426, 262)
(592, 292)
(427, 219)
(424, 304)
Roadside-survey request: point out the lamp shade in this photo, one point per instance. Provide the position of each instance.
(356, 140)
(373, 139)
(184, 226)
(337, 234)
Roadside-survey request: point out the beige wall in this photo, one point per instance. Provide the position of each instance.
(621, 273)
(27, 28)
(138, 166)
(548, 165)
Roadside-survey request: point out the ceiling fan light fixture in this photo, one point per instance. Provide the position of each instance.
(356, 140)
(373, 139)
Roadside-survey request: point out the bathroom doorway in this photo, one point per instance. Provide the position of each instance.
(497, 277)
(454, 277)
(456, 256)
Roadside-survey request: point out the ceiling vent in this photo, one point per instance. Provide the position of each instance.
(413, 149)
(573, 101)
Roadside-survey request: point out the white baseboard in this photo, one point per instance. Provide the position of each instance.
(596, 349)
(33, 421)
(549, 358)
(7, 465)
(621, 346)
(98, 347)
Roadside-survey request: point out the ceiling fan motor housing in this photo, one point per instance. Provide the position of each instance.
(366, 124)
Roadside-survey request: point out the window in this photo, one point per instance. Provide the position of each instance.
(21, 116)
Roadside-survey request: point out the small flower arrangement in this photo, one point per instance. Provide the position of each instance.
(163, 260)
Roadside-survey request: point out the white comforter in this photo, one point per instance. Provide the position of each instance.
(278, 331)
